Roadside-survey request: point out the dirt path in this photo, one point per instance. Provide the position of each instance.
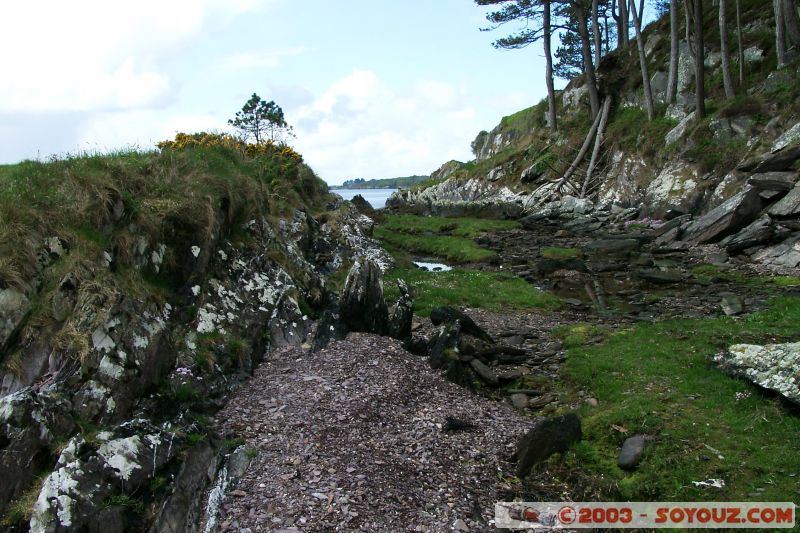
(363, 436)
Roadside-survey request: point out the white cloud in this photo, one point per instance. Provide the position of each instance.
(260, 58)
(360, 127)
(87, 55)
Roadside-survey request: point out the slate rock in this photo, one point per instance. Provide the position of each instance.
(664, 277)
(772, 162)
(732, 304)
(631, 453)
(14, 309)
(726, 218)
(440, 315)
(759, 232)
(444, 345)
(362, 303)
(772, 366)
(773, 181)
(788, 206)
(402, 314)
(362, 205)
(546, 437)
(484, 372)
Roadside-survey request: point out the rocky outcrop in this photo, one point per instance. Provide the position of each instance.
(453, 197)
(772, 367)
(362, 304)
(725, 219)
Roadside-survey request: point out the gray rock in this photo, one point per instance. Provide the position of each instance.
(546, 437)
(759, 232)
(663, 277)
(362, 205)
(753, 54)
(444, 345)
(783, 257)
(362, 304)
(790, 137)
(402, 314)
(728, 217)
(732, 304)
(441, 315)
(14, 310)
(788, 206)
(484, 372)
(771, 162)
(612, 247)
(774, 181)
(183, 508)
(677, 132)
(773, 366)
(519, 400)
(631, 453)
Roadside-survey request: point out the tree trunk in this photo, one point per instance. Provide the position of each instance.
(739, 39)
(790, 23)
(622, 22)
(598, 39)
(688, 9)
(551, 92)
(588, 67)
(598, 141)
(605, 28)
(780, 35)
(699, 57)
(674, 52)
(723, 46)
(648, 91)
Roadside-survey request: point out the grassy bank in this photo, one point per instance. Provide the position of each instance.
(657, 379)
(469, 288)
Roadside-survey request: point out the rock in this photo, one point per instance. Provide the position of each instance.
(362, 205)
(183, 508)
(773, 366)
(441, 315)
(659, 276)
(362, 304)
(444, 346)
(783, 257)
(677, 132)
(759, 232)
(460, 525)
(14, 310)
(753, 54)
(518, 400)
(671, 224)
(611, 247)
(548, 266)
(592, 402)
(484, 372)
(732, 304)
(402, 314)
(531, 174)
(631, 453)
(546, 437)
(788, 206)
(790, 137)
(772, 162)
(726, 218)
(571, 97)
(773, 181)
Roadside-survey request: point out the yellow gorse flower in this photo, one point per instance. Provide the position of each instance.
(267, 148)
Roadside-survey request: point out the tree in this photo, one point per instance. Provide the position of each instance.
(261, 120)
(674, 52)
(537, 16)
(586, 48)
(723, 41)
(739, 42)
(699, 58)
(648, 92)
(787, 30)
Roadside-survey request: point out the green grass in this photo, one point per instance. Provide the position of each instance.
(460, 227)
(657, 379)
(449, 239)
(707, 272)
(560, 253)
(451, 249)
(468, 288)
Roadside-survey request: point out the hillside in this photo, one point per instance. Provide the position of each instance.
(386, 183)
(136, 290)
(671, 164)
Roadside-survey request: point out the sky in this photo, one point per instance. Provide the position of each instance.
(373, 88)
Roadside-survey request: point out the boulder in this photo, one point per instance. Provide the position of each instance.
(759, 232)
(440, 315)
(631, 453)
(362, 303)
(677, 132)
(773, 181)
(788, 206)
(773, 366)
(783, 257)
(777, 161)
(444, 345)
(790, 137)
(732, 304)
(484, 372)
(726, 218)
(362, 205)
(546, 437)
(402, 314)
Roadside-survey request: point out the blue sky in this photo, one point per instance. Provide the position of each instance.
(374, 88)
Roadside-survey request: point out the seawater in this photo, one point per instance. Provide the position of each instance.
(376, 197)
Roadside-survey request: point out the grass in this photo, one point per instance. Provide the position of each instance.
(710, 273)
(560, 253)
(468, 288)
(657, 379)
(460, 227)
